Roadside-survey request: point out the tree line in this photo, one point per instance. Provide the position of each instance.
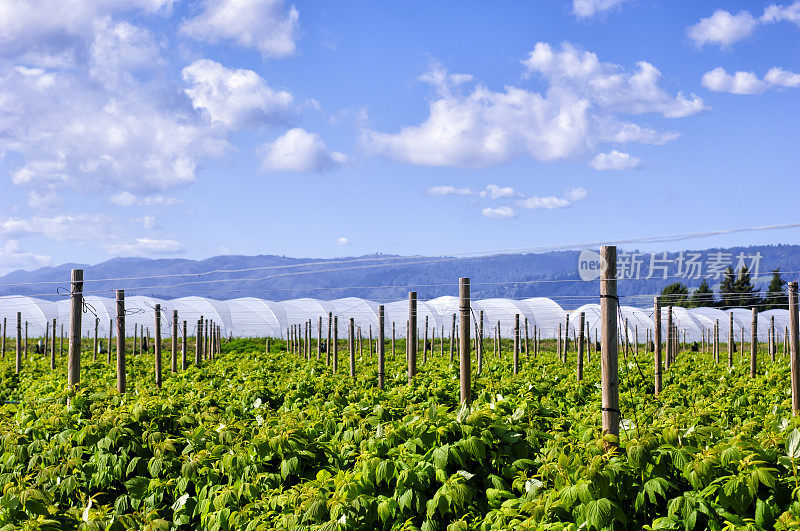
(735, 291)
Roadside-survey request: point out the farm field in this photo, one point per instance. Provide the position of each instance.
(255, 440)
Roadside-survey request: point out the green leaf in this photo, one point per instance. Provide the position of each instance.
(137, 486)
(793, 444)
(384, 472)
(440, 456)
(598, 513)
(405, 499)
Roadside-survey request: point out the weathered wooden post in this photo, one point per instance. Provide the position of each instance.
(566, 339)
(393, 340)
(730, 340)
(61, 342)
(515, 363)
(381, 347)
(411, 338)
(96, 345)
(352, 349)
(18, 345)
(499, 341)
(441, 343)
(753, 334)
(121, 376)
(536, 336)
(25, 345)
(319, 339)
(174, 346)
(452, 338)
(609, 355)
(558, 346)
(772, 339)
(198, 340)
(53, 347)
(480, 343)
(527, 340)
(716, 341)
(668, 357)
(5, 333)
(794, 342)
(425, 344)
(464, 354)
(135, 337)
(581, 345)
(157, 349)
(75, 315)
(335, 343)
(328, 344)
(184, 346)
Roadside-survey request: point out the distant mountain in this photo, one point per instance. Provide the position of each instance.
(389, 277)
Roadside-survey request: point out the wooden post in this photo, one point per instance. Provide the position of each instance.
(411, 338)
(157, 349)
(452, 338)
(121, 376)
(536, 336)
(393, 340)
(794, 342)
(184, 346)
(515, 363)
(609, 360)
(753, 334)
(441, 343)
(499, 342)
(581, 341)
(381, 348)
(319, 339)
(558, 349)
(668, 357)
(464, 354)
(730, 341)
(480, 343)
(772, 339)
(425, 344)
(527, 340)
(61, 342)
(18, 345)
(566, 339)
(96, 345)
(335, 343)
(657, 345)
(5, 333)
(52, 347)
(352, 349)
(25, 345)
(328, 344)
(198, 347)
(135, 337)
(174, 346)
(75, 315)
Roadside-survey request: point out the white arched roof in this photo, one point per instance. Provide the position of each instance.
(36, 312)
(252, 317)
(504, 312)
(546, 314)
(298, 311)
(192, 308)
(363, 312)
(397, 313)
(140, 312)
(713, 314)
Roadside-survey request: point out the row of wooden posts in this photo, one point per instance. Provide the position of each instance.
(609, 341)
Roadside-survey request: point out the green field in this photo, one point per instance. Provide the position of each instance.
(269, 441)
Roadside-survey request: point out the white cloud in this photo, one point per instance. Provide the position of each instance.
(719, 80)
(145, 246)
(56, 30)
(722, 28)
(236, 98)
(299, 150)
(615, 160)
(13, 257)
(579, 111)
(498, 192)
(589, 8)
(781, 78)
(121, 50)
(266, 25)
(551, 202)
(71, 130)
(127, 199)
(60, 228)
(776, 13)
(449, 190)
(342, 241)
(575, 194)
(148, 222)
(501, 212)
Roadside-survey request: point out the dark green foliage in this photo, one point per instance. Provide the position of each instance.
(702, 296)
(776, 296)
(675, 294)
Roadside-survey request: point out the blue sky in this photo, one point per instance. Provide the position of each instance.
(190, 129)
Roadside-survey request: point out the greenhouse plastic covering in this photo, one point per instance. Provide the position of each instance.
(253, 317)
